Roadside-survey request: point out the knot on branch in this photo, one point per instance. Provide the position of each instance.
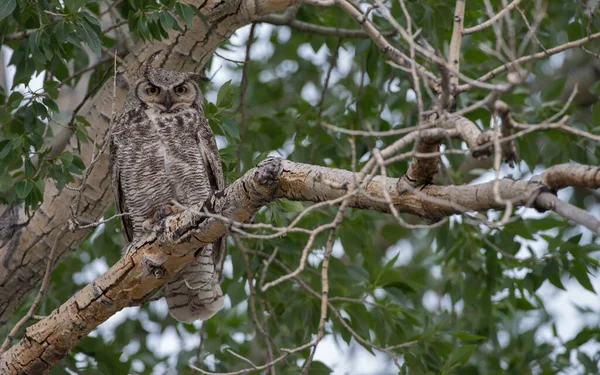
(265, 180)
(268, 171)
(508, 147)
(538, 188)
(219, 9)
(152, 264)
(483, 141)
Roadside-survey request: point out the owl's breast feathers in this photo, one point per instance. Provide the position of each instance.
(159, 158)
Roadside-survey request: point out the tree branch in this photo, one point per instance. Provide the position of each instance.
(280, 20)
(150, 262)
(491, 21)
(455, 42)
(536, 56)
(147, 265)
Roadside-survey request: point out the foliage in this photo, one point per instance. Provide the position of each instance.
(490, 287)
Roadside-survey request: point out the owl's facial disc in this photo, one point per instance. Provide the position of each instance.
(167, 91)
(182, 96)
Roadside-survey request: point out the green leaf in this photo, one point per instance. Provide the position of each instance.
(6, 8)
(14, 100)
(225, 95)
(358, 273)
(231, 128)
(132, 22)
(17, 142)
(319, 368)
(166, 20)
(67, 158)
(589, 365)
(154, 30)
(459, 357)
(89, 36)
(290, 206)
(74, 5)
(29, 168)
(51, 88)
(185, 13)
(580, 271)
(23, 188)
(143, 28)
(596, 114)
(5, 147)
(51, 104)
(552, 270)
(465, 336)
(40, 110)
(77, 162)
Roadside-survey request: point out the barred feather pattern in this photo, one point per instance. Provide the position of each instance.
(158, 157)
(195, 294)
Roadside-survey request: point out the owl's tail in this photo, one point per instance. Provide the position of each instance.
(195, 292)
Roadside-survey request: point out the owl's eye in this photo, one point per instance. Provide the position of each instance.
(152, 90)
(180, 89)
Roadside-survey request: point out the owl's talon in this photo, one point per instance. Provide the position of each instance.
(176, 205)
(148, 225)
(162, 213)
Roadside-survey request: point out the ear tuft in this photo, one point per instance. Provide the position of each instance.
(198, 77)
(147, 65)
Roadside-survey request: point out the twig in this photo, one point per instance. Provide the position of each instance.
(325, 285)
(40, 295)
(242, 106)
(267, 263)
(252, 301)
(82, 71)
(535, 56)
(455, 42)
(96, 154)
(287, 353)
(491, 21)
(413, 68)
(20, 34)
(279, 20)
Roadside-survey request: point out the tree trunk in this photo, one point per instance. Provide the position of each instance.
(25, 245)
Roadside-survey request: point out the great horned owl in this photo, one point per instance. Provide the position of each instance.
(164, 157)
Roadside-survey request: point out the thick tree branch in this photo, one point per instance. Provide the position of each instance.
(149, 263)
(25, 243)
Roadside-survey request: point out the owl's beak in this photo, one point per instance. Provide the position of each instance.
(168, 102)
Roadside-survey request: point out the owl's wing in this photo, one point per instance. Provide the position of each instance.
(210, 153)
(214, 169)
(115, 176)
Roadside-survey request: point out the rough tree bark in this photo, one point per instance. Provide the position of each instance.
(150, 262)
(25, 245)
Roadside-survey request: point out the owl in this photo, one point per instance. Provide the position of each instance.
(164, 158)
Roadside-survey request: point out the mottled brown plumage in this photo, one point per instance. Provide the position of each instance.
(164, 157)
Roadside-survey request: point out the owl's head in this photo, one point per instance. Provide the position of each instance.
(167, 90)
